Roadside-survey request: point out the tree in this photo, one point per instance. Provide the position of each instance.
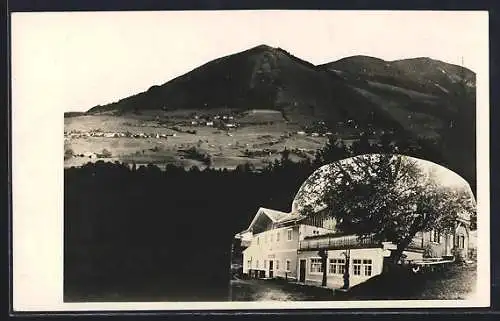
(388, 197)
(323, 254)
(334, 150)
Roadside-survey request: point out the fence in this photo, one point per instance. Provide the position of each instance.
(338, 242)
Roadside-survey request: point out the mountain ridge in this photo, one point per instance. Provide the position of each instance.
(277, 53)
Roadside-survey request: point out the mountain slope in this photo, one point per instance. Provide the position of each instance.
(425, 96)
(422, 74)
(258, 78)
(414, 97)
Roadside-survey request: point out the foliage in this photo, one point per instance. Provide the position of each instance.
(386, 196)
(124, 225)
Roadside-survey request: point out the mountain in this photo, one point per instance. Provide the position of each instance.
(418, 97)
(425, 96)
(259, 78)
(420, 74)
(361, 88)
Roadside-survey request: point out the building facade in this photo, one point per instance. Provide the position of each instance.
(287, 245)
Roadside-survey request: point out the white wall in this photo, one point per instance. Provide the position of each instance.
(270, 246)
(337, 280)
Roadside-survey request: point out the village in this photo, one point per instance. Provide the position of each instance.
(218, 140)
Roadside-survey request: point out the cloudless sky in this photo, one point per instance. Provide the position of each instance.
(74, 61)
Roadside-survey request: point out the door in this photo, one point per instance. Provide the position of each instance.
(271, 274)
(302, 271)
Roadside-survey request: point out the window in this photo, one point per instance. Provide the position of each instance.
(277, 265)
(257, 264)
(288, 265)
(356, 266)
(362, 267)
(289, 234)
(249, 263)
(258, 240)
(271, 238)
(278, 237)
(316, 266)
(265, 264)
(435, 236)
(336, 266)
(367, 267)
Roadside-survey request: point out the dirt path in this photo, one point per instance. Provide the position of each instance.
(267, 290)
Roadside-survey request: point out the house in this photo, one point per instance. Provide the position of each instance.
(287, 245)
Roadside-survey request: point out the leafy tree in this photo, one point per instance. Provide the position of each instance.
(388, 197)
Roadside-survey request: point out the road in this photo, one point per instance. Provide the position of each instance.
(272, 290)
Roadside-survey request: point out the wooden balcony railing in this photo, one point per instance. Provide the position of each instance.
(338, 242)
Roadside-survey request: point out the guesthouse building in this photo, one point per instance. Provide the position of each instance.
(287, 245)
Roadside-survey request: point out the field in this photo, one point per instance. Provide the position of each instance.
(186, 140)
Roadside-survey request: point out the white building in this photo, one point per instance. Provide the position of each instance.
(287, 245)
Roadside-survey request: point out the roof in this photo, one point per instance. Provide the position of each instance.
(274, 215)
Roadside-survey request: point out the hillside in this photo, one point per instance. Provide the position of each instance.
(422, 74)
(258, 78)
(417, 97)
(427, 97)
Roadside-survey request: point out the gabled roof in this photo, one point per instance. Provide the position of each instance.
(274, 216)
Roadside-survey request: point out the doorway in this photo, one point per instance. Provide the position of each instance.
(302, 271)
(271, 271)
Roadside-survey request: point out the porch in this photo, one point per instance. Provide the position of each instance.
(332, 242)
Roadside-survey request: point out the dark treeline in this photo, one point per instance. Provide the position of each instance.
(147, 234)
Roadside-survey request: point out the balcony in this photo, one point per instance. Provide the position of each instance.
(338, 243)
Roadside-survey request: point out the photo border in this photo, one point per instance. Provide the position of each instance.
(25, 6)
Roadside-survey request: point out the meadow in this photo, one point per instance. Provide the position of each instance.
(257, 140)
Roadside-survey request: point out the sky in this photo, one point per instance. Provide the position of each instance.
(72, 61)
(444, 178)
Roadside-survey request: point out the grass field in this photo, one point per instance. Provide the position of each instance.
(258, 140)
